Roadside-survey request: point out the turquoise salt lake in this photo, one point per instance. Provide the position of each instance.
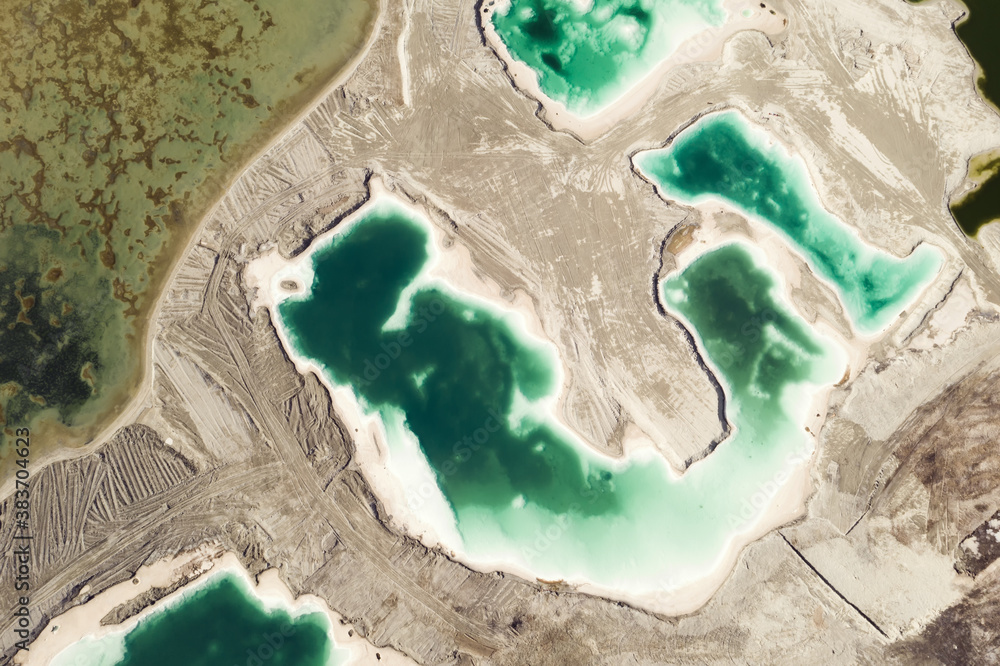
(721, 156)
(474, 391)
(588, 53)
(221, 623)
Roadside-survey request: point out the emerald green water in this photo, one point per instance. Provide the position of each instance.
(721, 156)
(466, 385)
(588, 53)
(220, 624)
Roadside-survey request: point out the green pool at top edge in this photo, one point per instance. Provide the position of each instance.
(220, 623)
(588, 53)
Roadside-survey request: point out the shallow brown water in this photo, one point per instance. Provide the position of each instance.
(120, 124)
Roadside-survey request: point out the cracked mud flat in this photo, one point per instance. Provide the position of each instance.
(234, 448)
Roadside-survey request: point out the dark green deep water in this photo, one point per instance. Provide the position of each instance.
(520, 487)
(221, 624)
(721, 156)
(978, 32)
(473, 365)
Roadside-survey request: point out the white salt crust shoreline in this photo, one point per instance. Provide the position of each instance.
(196, 567)
(703, 47)
(784, 501)
(791, 485)
(768, 254)
(766, 139)
(452, 269)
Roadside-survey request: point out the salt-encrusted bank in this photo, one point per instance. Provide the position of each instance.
(518, 491)
(591, 65)
(723, 159)
(78, 637)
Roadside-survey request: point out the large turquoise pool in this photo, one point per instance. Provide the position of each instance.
(474, 391)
